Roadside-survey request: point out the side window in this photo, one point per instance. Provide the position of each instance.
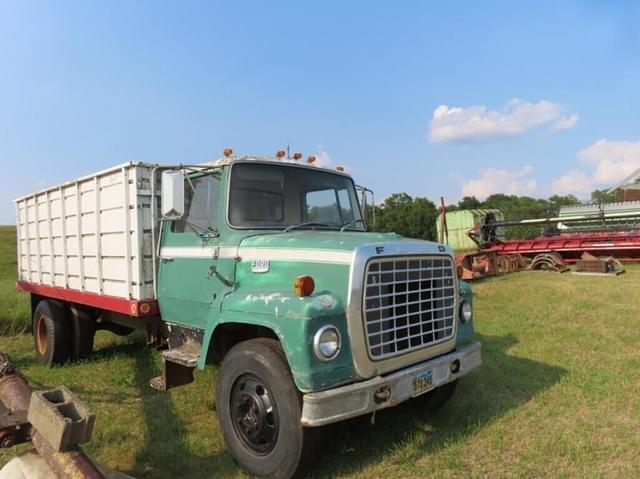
(322, 206)
(201, 198)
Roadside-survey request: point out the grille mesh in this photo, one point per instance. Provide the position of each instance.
(409, 303)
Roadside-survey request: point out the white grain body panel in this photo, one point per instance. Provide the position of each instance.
(105, 249)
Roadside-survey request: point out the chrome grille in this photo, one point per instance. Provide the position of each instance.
(409, 303)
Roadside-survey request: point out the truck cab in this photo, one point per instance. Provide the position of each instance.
(267, 268)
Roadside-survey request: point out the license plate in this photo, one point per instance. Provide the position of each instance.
(422, 382)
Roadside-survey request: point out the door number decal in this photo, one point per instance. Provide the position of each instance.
(259, 265)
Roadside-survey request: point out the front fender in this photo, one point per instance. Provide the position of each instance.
(284, 304)
(294, 321)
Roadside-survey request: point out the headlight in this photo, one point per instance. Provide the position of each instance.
(326, 343)
(466, 313)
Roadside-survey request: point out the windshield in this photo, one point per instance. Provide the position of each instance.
(279, 196)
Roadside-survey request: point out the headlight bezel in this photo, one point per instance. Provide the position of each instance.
(317, 339)
(465, 311)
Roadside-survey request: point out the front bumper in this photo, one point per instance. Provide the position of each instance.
(381, 392)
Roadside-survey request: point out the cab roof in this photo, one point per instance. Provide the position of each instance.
(229, 160)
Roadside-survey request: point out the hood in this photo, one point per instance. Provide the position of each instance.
(328, 240)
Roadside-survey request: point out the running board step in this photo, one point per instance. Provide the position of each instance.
(177, 370)
(179, 356)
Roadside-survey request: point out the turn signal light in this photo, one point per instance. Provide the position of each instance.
(228, 152)
(297, 155)
(304, 286)
(459, 271)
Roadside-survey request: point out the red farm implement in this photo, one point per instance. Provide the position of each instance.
(566, 240)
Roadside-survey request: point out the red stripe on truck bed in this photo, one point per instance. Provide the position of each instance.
(130, 307)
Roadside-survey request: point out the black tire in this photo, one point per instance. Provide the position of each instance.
(83, 327)
(437, 398)
(51, 333)
(259, 409)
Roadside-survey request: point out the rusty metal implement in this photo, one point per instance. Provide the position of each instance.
(15, 397)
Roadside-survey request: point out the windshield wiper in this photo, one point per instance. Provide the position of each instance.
(351, 223)
(306, 223)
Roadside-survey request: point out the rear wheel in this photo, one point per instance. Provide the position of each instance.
(83, 326)
(51, 333)
(259, 409)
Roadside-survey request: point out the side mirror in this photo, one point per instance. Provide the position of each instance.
(367, 205)
(172, 195)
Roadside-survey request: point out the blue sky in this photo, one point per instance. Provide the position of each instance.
(430, 98)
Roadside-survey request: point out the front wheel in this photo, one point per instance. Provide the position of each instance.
(259, 409)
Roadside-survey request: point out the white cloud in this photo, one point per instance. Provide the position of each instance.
(450, 124)
(492, 180)
(574, 182)
(565, 122)
(607, 162)
(613, 160)
(323, 158)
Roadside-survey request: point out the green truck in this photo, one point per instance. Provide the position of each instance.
(263, 266)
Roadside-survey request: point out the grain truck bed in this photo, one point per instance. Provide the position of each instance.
(88, 240)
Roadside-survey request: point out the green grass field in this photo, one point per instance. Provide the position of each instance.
(14, 308)
(557, 395)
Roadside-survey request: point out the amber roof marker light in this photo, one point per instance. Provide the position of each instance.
(228, 152)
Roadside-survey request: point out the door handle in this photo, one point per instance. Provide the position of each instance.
(213, 271)
(166, 259)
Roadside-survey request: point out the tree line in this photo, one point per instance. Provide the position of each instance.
(415, 217)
